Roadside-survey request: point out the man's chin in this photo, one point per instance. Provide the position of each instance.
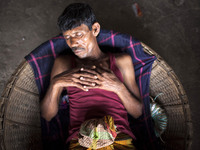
(80, 55)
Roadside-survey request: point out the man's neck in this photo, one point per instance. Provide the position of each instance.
(99, 56)
(96, 55)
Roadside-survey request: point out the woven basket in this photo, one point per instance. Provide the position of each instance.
(20, 117)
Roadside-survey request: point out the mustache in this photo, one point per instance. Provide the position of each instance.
(76, 48)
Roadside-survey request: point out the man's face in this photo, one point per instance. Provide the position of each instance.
(81, 40)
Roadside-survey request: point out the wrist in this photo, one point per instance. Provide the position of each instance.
(55, 89)
(121, 90)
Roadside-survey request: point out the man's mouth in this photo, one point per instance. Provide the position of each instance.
(77, 50)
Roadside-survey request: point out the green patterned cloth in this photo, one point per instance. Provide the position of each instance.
(97, 133)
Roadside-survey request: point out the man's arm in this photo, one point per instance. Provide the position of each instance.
(129, 93)
(49, 104)
(62, 75)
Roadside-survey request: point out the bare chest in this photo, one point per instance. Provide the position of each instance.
(105, 63)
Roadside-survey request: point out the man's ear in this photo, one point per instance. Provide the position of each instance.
(96, 28)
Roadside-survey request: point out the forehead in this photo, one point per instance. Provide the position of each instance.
(81, 28)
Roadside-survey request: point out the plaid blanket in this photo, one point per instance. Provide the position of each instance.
(41, 60)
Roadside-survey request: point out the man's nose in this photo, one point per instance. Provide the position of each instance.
(73, 42)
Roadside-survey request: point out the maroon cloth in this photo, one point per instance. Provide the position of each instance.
(97, 103)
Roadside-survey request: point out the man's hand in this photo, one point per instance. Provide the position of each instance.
(77, 77)
(74, 77)
(106, 80)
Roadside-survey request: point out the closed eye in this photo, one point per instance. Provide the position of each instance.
(78, 34)
(67, 37)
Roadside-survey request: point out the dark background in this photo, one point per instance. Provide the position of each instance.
(170, 27)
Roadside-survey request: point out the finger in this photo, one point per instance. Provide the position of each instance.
(86, 83)
(96, 73)
(84, 74)
(99, 71)
(88, 70)
(80, 86)
(87, 87)
(103, 74)
(88, 67)
(91, 67)
(95, 80)
(94, 87)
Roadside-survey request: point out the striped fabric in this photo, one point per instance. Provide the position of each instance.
(41, 60)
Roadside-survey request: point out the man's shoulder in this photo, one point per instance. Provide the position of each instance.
(61, 64)
(63, 60)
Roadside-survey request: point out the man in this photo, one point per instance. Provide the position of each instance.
(98, 84)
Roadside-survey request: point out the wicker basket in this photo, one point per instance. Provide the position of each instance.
(20, 118)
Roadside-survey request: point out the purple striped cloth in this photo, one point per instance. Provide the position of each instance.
(41, 60)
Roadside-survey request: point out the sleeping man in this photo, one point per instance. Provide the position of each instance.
(101, 86)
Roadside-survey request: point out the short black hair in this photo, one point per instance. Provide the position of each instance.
(76, 14)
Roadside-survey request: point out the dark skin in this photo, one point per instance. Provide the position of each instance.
(92, 71)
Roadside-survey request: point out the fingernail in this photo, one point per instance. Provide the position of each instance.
(93, 67)
(81, 78)
(84, 87)
(95, 77)
(86, 90)
(82, 69)
(93, 84)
